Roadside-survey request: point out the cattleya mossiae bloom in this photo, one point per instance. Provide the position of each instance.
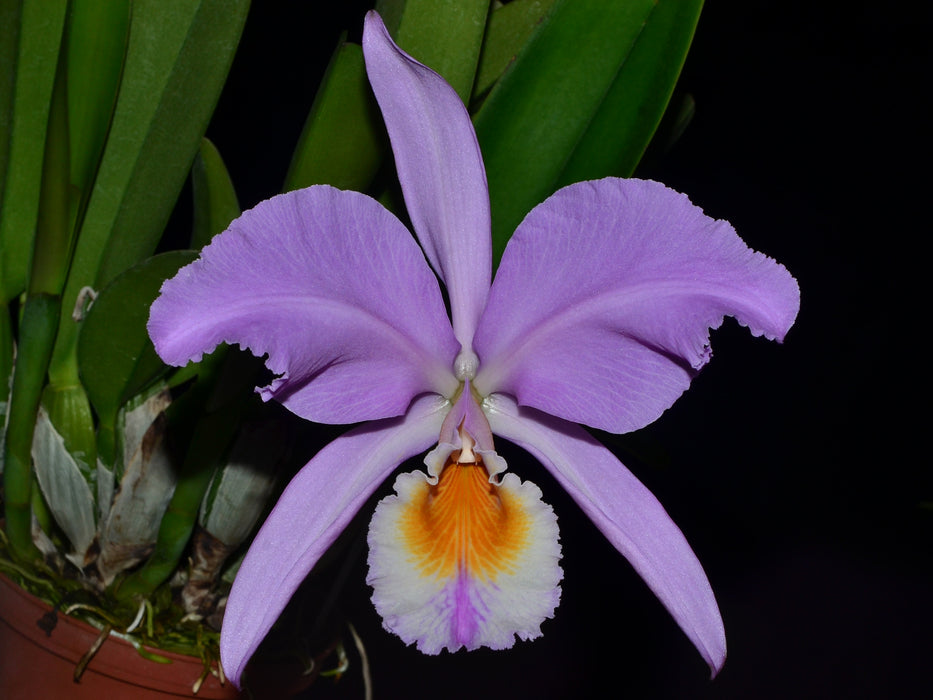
(599, 314)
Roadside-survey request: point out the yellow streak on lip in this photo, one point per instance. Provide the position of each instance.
(464, 522)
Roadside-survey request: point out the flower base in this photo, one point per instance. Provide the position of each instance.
(36, 665)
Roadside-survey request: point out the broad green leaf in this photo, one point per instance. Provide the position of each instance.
(443, 34)
(115, 355)
(175, 70)
(343, 141)
(97, 38)
(177, 60)
(510, 26)
(215, 201)
(52, 245)
(578, 83)
(10, 16)
(64, 486)
(619, 133)
(40, 35)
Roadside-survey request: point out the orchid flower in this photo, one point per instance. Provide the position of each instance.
(599, 314)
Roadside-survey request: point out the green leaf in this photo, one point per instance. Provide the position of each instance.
(175, 69)
(10, 16)
(115, 355)
(510, 26)
(343, 141)
(619, 133)
(444, 34)
(177, 61)
(40, 36)
(52, 245)
(97, 35)
(215, 201)
(595, 76)
(36, 335)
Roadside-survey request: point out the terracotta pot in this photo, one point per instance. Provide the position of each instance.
(36, 665)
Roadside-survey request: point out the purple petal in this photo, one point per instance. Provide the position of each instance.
(628, 515)
(601, 309)
(334, 289)
(440, 169)
(312, 512)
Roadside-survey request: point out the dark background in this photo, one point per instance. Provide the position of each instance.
(795, 470)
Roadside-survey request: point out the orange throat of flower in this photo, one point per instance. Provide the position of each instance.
(464, 522)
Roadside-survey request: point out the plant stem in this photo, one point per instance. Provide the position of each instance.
(6, 350)
(41, 514)
(37, 334)
(53, 246)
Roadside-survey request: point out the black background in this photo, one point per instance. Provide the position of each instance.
(799, 472)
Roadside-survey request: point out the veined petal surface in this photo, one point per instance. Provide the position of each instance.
(314, 509)
(440, 168)
(336, 291)
(601, 308)
(626, 512)
(464, 562)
